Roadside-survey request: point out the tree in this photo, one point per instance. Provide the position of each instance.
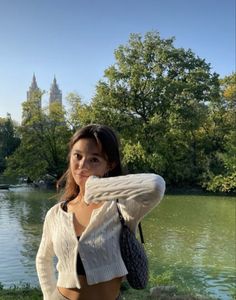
(44, 138)
(9, 140)
(157, 97)
(224, 180)
(78, 114)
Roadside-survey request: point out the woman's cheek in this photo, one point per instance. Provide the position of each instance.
(80, 180)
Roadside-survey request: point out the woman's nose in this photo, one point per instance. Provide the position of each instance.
(83, 164)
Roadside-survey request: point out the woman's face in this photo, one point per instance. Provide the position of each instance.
(87, 159)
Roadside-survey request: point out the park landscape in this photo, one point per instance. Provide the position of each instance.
(175, 117)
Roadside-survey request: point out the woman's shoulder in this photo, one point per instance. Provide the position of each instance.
(54, 209)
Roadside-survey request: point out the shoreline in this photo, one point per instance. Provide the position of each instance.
(26, 292)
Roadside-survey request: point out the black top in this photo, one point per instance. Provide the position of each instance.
(79, 264)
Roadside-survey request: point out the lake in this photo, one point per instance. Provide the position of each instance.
(190, 237)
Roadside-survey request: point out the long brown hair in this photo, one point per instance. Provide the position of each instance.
(104, 137)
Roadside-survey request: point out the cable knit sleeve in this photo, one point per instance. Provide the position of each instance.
(137, 193)
(44, 262)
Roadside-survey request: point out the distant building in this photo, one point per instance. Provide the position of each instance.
(34, 93)
(55, 93)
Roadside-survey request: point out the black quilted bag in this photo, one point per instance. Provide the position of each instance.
(134, 256)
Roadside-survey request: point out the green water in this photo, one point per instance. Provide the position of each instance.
(192, 237)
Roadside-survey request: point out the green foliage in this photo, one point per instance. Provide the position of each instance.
(228, 84)
(222, 178)
(134, 156)
(24, 292)
(225, 184)
(9, 140)
(43, 148)
(157, 97)
(174, 117)
(79, 114)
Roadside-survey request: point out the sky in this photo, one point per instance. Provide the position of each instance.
(75, 40)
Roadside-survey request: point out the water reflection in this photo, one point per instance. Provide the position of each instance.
(21, 216)
(193, 237)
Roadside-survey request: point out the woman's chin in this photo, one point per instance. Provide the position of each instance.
(81, 180)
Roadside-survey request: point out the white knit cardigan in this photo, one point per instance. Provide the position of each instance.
(99, 243)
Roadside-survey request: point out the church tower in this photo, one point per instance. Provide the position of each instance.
(55, 93)
(34, 92)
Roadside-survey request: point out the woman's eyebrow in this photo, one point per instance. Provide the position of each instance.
(96, 154)
(93, 154)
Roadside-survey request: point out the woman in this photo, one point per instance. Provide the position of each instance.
(82, 231)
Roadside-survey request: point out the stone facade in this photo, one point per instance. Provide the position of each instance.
(55, 94)
(34, 92)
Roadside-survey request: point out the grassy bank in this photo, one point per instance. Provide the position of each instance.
(26, 292)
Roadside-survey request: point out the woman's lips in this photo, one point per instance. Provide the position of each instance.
(82, 175)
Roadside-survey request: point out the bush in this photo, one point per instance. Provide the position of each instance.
(225, 184)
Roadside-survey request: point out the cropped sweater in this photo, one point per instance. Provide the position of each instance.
(99, 243)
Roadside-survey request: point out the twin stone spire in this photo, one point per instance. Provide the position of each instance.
(55, 94)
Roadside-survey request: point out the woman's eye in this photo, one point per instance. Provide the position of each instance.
(94, 160)
(77, 156)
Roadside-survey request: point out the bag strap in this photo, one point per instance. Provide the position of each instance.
(122, 220)
(141, 233)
